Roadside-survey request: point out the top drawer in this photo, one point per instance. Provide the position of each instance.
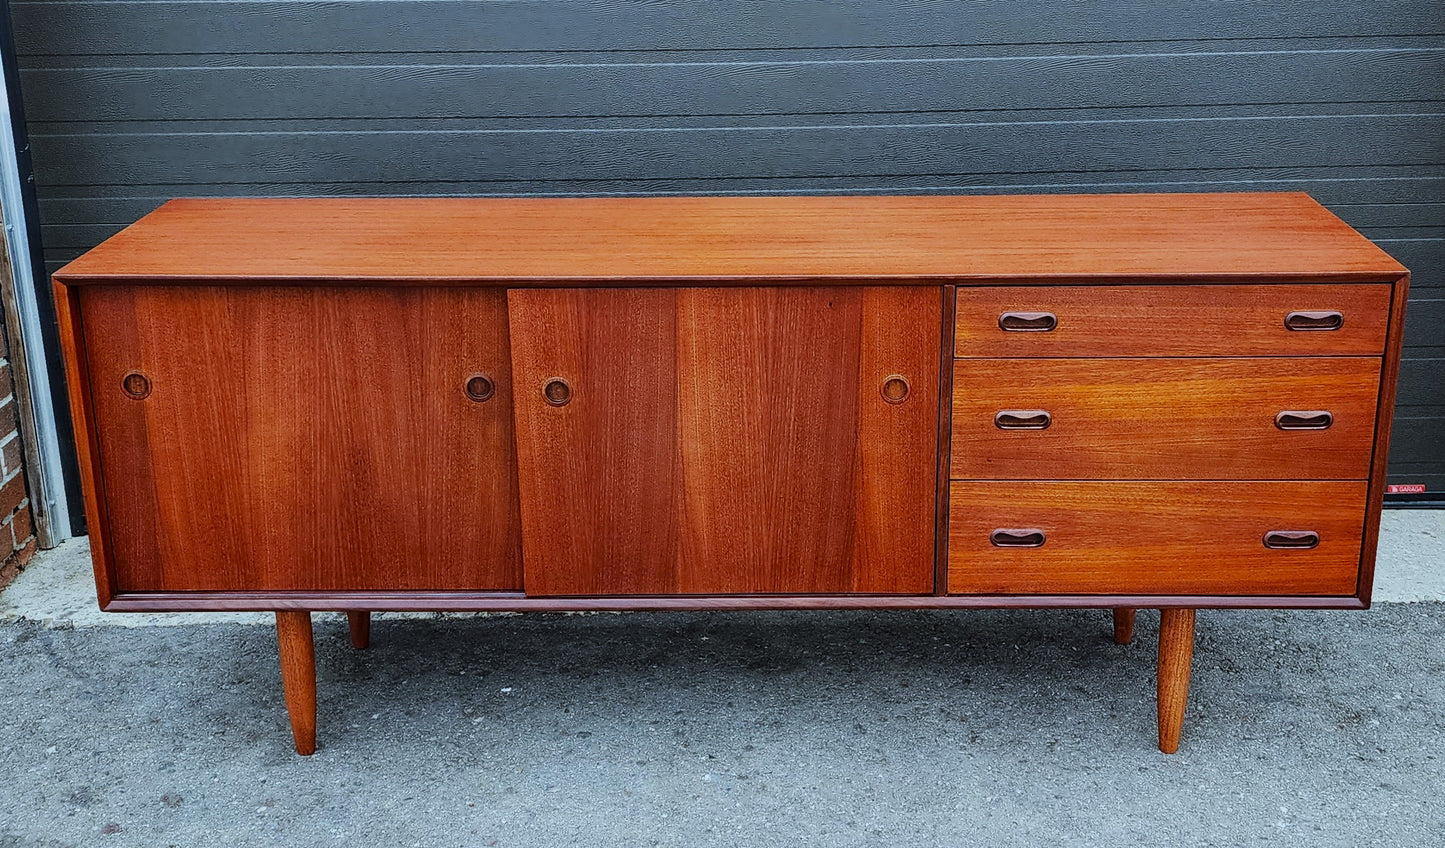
(1172, 320)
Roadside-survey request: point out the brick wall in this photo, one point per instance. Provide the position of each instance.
(17, 529)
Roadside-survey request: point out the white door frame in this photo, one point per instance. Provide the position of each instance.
(47, 482)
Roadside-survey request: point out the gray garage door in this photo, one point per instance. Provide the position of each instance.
(130, 103)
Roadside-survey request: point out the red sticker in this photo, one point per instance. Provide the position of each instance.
(1405, 489)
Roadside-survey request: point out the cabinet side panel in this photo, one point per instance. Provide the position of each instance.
(300, 438)
(77, 376)
(1385, 416)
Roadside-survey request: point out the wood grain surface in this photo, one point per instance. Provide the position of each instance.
(1165, 419)
(1384, 424)
(1123, 320)
(87, 439)
(590, 241)
(945, 443)
(297, 649)
(1125, 537)
(727, 440)
(1123, 625)
(303, 438)
(359, 625)
(517, 602)
(1176, 658)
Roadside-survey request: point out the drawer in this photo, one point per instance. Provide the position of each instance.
(1172, 320)
(1164, 419)
(1149, 538)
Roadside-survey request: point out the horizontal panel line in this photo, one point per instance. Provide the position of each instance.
(758, 63)
(681, 179)
(778, 48)
(181, 191)
(393, 116)
(768, 128)
(799, 189)
(1368, 204)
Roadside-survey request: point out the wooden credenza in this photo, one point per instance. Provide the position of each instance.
(1123, 401)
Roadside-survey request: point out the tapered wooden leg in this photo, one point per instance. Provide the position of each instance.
(1176, 655)
(298, 676)
(360, 629)
(1123, 625)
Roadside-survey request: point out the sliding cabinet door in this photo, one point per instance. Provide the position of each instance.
(727, 440)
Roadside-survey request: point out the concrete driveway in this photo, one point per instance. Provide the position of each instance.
(993, 728)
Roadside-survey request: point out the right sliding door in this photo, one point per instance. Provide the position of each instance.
(727, 440)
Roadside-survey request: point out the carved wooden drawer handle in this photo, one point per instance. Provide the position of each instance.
(1297, 539)
(1294, 419)
(557, 391)
(1027, 322)
(1326, 320)
(1018, 538)
(1023, 419)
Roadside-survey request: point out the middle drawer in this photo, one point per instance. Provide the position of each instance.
(1168, 419)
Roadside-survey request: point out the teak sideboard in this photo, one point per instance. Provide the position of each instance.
(1118, 401)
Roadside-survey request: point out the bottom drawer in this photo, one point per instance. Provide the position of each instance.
(1153, 538)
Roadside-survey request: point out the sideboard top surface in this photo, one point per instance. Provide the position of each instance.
(546, 241)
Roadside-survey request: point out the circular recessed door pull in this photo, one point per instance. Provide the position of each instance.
(1027, 322)
(557, 391)
(480, 387)
(1297, 539)
(1324, 320)
(895, 388)
(1023, 419)
(1028, 537)
(1293, 419)
(136, 385)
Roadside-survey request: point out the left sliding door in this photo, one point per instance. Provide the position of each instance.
(295, 438)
